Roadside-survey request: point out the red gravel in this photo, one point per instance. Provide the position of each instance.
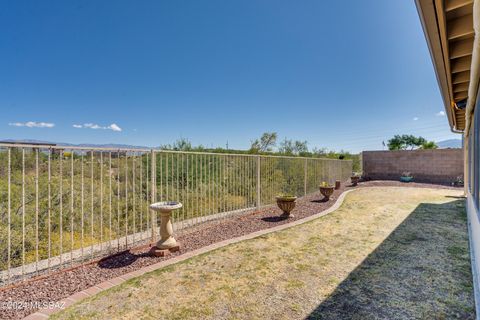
(65, 283)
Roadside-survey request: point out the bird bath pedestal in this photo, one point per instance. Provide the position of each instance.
(167, 242)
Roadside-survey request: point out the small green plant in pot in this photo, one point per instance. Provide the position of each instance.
(406, 177)
(326, 190)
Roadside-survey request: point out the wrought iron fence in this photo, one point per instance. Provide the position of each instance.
(63, 206)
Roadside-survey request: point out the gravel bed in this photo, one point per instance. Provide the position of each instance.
(392, 183)
(65, 283)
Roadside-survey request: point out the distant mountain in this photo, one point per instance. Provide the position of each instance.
(84, 145)
(450, 143)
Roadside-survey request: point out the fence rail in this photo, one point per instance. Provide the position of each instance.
(61, 206)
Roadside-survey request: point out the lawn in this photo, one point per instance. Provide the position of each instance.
(387, 253)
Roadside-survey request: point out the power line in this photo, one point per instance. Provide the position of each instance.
(390, 131)
(413, 126)
(384, 136)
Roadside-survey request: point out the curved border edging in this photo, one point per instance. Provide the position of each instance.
(44, 313)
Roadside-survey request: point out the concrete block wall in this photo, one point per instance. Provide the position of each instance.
(432, 166)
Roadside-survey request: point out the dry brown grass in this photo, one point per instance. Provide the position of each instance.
(387, 253)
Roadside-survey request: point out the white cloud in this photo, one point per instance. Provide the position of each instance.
(92, 126)
(113, 126)
(440, 114)
(32, 124)
(415, 119)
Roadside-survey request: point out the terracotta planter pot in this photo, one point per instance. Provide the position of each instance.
(326, 192)
(286, 204)
(354, 180)
(337, 184)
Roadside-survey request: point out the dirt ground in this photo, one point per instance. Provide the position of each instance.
(387, 253)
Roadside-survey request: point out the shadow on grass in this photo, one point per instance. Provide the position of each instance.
(422, 271)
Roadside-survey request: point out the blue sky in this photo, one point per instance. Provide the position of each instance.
(339, 74)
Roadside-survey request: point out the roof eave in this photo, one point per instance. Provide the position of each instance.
(428, 17)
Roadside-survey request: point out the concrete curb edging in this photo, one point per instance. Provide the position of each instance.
(44, 313)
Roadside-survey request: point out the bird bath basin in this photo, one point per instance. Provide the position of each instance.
(165, 206)
(167, 242)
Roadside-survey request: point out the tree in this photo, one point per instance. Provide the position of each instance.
(266, 142)
(429, 145)
(286, 147)
(319, 151)
(290, 147)
(405, 141)
(181, 144)
(301, 147)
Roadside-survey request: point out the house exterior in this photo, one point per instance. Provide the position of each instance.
(452, 32)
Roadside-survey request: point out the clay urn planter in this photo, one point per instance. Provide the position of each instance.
(354, 180)
(167, 242)
(326, 190)
(337, 184)
(286, 203)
